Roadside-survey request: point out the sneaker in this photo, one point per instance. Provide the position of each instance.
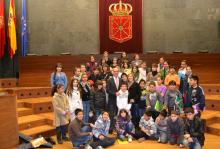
(60, 141)
(66, 139)
(141, 140)
(99, 147)
(158, 140)
(88, 147)
(181, 146)
(129, 139)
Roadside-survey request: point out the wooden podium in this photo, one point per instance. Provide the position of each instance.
(8, 122)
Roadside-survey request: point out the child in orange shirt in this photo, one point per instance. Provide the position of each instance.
(172, 76)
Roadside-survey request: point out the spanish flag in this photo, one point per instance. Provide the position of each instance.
(12, 29)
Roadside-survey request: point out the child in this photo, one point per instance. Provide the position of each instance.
(151, 101)
(194, 130)
(185, 87)
(142, 102)
(136, 61)
(161, 64)
(173, 98)
(126, 68)
(152, 76)
(90, 66)
(161, 88)
(98, 99)
(136, 74)
(197, 95)
(61, 112)
(172, 76)
(182, 70)
(77, 74)
(106, 74)
(175, 129)
(147, 127)
(85, 93)
(161, 124)
(79, 132)
(114, 63)
(104, 86)
(124, 77)
(83, 70)
(122, 98)
(165, 70)
(106, 58)
(58, 77)
(143, 71)
(124, 126)
(101, 131)
(74, 98)
(95, 75)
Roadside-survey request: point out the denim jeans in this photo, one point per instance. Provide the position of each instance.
(61, 132)
(141, 112)
(83, 140)
(86, 109)
(135, 115)
(128, 130)
(97, 113)
(193, 145)
(162, 136)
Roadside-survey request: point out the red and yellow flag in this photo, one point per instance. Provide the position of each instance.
(12, 29)
(2, 29)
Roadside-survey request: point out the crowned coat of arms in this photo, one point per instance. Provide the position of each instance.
(120, 22)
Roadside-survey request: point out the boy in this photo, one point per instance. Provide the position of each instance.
(122, 98)
(172, 76)
(182, 70)
(160, 88)
(79, 132)
(194, 130)
(101, 131)
(98, 99)
(147, 127)
(77, 74)
(173, 98)
(175, 129)
(197, 95)
(161, 124)
(152, 98)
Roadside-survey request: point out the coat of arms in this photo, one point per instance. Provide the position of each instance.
(120, 22)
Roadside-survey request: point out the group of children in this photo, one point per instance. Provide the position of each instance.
(127, 98)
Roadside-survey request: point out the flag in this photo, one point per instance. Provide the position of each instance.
(12, 29)
(24, 29)
(2, 29)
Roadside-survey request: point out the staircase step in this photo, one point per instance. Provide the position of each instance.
(44, 130)
(24, 111)
(213, 129)
(20, 104)
(8, 82)
(39, 105)
(48, 116)
(213, 102)
(30, 121)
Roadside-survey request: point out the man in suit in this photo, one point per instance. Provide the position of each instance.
(113, 87)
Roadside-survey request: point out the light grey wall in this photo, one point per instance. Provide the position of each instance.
(57, 26)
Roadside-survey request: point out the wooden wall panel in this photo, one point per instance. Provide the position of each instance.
(8, 122)
(36, 70)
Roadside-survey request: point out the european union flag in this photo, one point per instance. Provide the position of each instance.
(24, 29)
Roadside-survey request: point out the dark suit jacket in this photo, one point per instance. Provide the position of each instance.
(134, 93)
(112, 89)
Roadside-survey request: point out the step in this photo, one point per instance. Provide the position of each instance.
(213, 102)
(30, 121)
(211, 88)
(214, 129)
(48, 116)
(39, 105)
(20, 104)
(8, 82)
(24, 111)
(44, 130)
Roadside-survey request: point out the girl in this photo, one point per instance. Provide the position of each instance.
(160, 88)
(122, 98)
(143, 71)
(90, 66)
(165, 70)
(114, 63)
(124, 58)
(74, 98)
(182, 70)
(135, 72)
(142, 102)
(124, 77)
(106, 58)
(136, 61)
(106, 74)
(58, 77)
(61, 112)
(126, 68)
(134, 98)
(85, 92)
(124, 126)
(152, 76)
(160, 65)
